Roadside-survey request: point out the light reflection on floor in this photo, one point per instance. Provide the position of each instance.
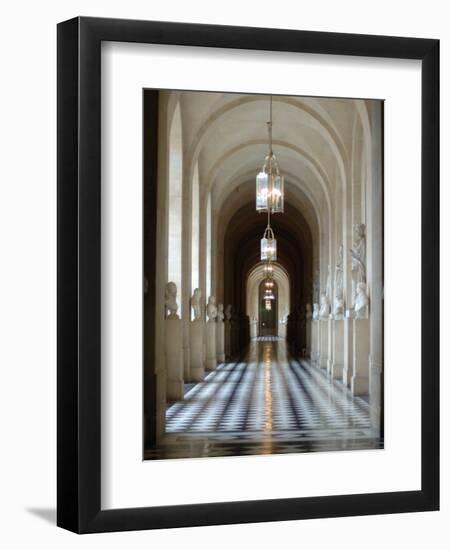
(268, 404)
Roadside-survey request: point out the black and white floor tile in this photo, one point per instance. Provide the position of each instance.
(270, 403)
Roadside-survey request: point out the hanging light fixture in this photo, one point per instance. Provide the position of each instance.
(268, 305)
(269, 244)
(268, 270)
(269, 182)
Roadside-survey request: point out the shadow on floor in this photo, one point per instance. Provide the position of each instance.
(46, 514)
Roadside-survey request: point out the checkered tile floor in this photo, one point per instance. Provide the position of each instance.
(271, 403)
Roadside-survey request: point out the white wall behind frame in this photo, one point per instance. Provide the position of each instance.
(130, 481)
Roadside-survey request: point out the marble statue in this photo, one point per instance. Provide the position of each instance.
(315, 312)
(324, 311)
(171, 301)
(361, 301)
(308, 312)
(358, 257)
(228, 312)
(220, 313)
(338, 304)
(196, 304)
(328, 287)
(211, 309)
(339, 273)
(316, 286)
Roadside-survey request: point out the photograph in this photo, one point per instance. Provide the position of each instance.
(263, 325)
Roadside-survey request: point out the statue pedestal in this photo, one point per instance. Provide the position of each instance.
(375, 392)
(348, 350)
(330, 347)
(227, 339)
(220, 341)
(174, 359)
(315, 340)
(323, 353)
(308, 337)
(361, 351)
(337, 367)
(186, 351)
(197, 339)
(210, 337)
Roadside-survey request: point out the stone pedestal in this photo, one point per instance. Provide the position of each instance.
(186, 349)
(330, 347)
(375, 391)
(361, 351)
(315, 340)
(197, 341)
(323, 352)
(309, 338)
(227, 338)
(337, 367)
(210, 340)
(348, 351)
(174, 359)
(220, 341)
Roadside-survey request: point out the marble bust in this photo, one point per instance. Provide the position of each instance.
(228, 312)
(211, 309)
(196, 304)
(361, 302)
(170, 301)
(220, 313)
(308, 312)
(338, 306)
(324, 311)
(315, 312)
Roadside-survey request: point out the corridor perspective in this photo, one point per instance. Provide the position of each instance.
(263, 287)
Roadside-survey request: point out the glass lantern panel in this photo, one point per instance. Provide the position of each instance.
(262, 191)
(277, 194)
(268, 249)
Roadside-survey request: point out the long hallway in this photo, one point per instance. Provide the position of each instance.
(268, 403)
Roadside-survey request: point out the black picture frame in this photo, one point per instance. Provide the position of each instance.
(79, 281)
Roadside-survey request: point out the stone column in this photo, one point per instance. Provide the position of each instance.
(174, 359)
(197, 343)
(220, 341)
(361, 352)
(210, 337)
(375, 264)
(337, 367)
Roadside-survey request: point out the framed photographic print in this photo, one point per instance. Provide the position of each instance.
(248, 289)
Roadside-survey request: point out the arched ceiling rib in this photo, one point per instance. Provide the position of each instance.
(247, 159)
(300, 123)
